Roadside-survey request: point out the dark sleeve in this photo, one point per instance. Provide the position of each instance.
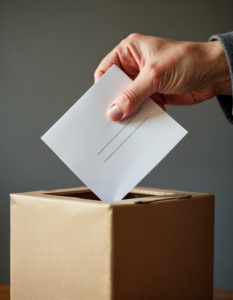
(226, 101)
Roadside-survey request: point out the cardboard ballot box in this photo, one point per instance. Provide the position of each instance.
(153, 245)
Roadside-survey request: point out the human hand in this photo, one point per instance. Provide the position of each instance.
(168, 71)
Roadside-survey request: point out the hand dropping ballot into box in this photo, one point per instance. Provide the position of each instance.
(112, 157)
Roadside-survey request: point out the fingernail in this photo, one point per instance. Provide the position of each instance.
(115, 113)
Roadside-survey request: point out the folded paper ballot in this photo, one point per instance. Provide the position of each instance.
(112, 157)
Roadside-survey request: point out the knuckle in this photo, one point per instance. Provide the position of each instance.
(153, 75)
(121, 46)
(129, 40)
(154, 70)
(133, 36)
(130, 99)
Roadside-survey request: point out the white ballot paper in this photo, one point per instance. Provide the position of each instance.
(112, 157)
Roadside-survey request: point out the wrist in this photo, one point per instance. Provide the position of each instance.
(220, 73)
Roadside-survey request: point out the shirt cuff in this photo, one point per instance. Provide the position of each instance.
(226, 101)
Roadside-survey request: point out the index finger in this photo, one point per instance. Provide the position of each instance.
(111, 59)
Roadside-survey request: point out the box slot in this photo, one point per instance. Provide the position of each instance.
(91, 196)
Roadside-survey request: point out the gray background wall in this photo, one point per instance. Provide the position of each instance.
(49, 52)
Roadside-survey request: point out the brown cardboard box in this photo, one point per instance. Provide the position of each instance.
(156, 244)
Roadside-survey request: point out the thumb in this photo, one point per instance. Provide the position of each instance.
(131, 98)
